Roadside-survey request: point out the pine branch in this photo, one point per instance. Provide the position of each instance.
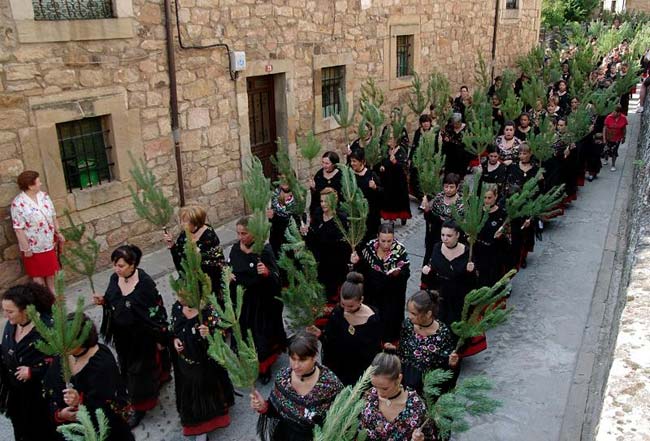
(511, 106)
(259, 227)
(374, 151)
(479, 135)
(483, 310)
(242, 366)
(79, 257)
(541, 144)
(354, 205)
(303, 297)
(342, 419)
(508, 78)
(533, 90)
(398, 123)
(84, 429)
(578, 124)
(438, 93)
(148, 199)
(256, 189)
(531, 64)
(63, 335)
(429, 162)
(474, 215)
(417, 100)
(286, 171)
(482, 72)
(370, 94)
(309, 147)
(193, 286)
(345, 117)
(529, 203)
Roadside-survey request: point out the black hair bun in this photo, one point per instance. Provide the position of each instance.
(354, 277)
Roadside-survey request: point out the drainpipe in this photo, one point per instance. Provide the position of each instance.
(173, 102)
(494, 37)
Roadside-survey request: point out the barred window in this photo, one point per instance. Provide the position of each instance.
(85, 152)
(72, 9)
(332, 79)
(404, 55)
(512, 4)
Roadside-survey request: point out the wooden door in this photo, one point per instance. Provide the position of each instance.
(261, 120)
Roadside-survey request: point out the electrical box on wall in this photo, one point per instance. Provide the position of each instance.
(237, 61)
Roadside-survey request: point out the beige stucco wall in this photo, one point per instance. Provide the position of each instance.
(53, 71)
(637, 5)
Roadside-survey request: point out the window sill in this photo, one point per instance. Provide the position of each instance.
(32, 31)
(510, 14)
(325, 125)
(400, 82)
(100, 194)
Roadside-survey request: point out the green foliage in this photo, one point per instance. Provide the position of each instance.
(532, 63)
(148, 199)
(417, 99)
(345, 117)
(541, 144)
(438, 93)
(342, 419)
(578, 124)
(303, 297)
(429, 162)
(552, 72)
(559, 12)
(479, 135)
(259, 227)
(449, 411)
(374, 151)
(193, 286)
(397, 123)
(287, 174)
(481, 109)
(370, 94)
(511, 106)
(508, 80)
(242, 366)
(257, 194)
(474, 215)
(482, 75)
(64, 335)
(309, 147)
(532, 91)
(603, 101)
(529, 202)
(84, 429)
(354, 205)
(482, 310)
(80, 257)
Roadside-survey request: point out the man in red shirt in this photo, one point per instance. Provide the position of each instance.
(614, 134)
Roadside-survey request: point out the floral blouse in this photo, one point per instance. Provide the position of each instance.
(283, 209)
(444, 211)
(401, 429)
(397, 257)
(36, 218)
(507, 154)
(425, 353)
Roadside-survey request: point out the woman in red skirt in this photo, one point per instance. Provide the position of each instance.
(34, 221)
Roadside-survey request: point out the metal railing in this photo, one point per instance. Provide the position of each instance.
(332, 79)
(72, 9)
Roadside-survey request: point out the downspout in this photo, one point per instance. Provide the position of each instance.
(494, 38)
(173, 102)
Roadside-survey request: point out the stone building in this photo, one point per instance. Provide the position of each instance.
(636, 5)
(85, 83)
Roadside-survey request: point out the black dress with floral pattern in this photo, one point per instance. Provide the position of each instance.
(435, 215)
(377, 427)
(283, 211)
(291, 416)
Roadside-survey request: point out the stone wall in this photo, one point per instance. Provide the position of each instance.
(637, 5)
(55, 74)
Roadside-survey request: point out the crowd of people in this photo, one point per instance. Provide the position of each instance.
(366, 323)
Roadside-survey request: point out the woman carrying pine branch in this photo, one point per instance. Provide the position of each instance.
(492, 249)
(370, 185)
(328, 176)
(135, 321)
(392, 413)
(392, 171)
(206, 240)
(493, 171)
(204, 392)
(22, 366)
(96, 383)
(261, 312)
(385, 266)
(301, 396)
(283, 209)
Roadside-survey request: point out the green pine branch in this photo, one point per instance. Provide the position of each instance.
(533, 90)
(80, 257)
(84, 429)
(438, 93)
(482, 310)
(429, 162)
(482, 75)
(474, 215)
(63, 335)
(345, 117)
(148, 199)
(193, 286)
(257, 193)
(578, 124)
(541, 144)
(309, 147)
(531, 64)
(398, 123)
(508, 78)
(242, 365)
(479, 135)
(303, 297)
(417, 98)
(375, 149)
(511, 106)
(342, 419)
(370, 94)
(529, 202)
(354, 205)
(286, 172)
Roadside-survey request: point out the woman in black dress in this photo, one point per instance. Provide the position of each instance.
(385, 266)
(450, 272)
(352, 337)
(301, 396)
(96, 383)
(392, 171)
(204, 392)
(508, 144)
(457, 158)
(370, 185)
(206, 240)
(492, 250)
(524, 127)
(283, 209)
(135, 321)
(325, 241)
(493, 171)
(261, 311)
(414, 183)
(327, 176)
(22, 366)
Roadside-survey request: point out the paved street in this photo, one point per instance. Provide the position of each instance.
(531, 360)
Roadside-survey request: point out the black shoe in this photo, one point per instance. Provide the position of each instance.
(403, 222)
(524, 264)
(135, 418)
(265, 377)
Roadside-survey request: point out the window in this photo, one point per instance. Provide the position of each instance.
(72, 9)
(332, 79)
(404, 55)
(84, 152)
(512, 4)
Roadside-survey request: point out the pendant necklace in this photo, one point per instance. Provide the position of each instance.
(308, 374)
(351, 328)
(389, 401)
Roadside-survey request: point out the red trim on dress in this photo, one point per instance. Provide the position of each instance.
(389, 215)
(145, 405)
(217, 422)
(265, 365)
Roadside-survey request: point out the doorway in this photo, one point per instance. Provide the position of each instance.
(261, 120)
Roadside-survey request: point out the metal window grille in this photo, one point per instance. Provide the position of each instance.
(332, 79)
(85, 153)
(404, 55)
(512, 4)
(72, 9)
